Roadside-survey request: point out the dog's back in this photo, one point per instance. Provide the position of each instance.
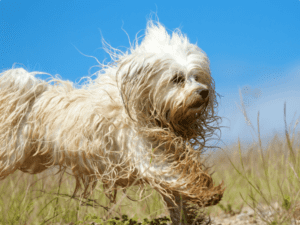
(18, 80)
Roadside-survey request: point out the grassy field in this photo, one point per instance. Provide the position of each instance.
(258, 175)
(252, 176)
(39, 199)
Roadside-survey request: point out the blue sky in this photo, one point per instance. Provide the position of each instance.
(253, 46)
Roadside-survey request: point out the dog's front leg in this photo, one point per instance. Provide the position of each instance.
(183, 214)
(177, 215)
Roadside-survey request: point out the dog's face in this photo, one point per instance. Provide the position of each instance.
(167, 80)
(182, 98)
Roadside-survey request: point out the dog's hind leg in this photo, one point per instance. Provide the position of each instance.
(35, 164)
(19, 90)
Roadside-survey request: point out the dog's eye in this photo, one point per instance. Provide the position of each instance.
(178, 78)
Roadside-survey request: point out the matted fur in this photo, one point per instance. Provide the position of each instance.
(144, 119)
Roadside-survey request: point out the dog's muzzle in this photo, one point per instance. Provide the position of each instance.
(200, 100)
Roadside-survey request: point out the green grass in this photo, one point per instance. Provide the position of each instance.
(38, 199)
(261, 175)
(254, 175)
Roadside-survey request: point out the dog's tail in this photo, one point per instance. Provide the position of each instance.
(18, 91)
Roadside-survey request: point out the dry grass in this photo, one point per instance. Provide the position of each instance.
(39, 199)
(259, 175)
(253, 176)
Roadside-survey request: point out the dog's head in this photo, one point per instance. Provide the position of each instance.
(165, 82)
(167, 90)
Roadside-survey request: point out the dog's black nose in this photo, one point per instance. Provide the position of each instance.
(202, 99)
(203, 93)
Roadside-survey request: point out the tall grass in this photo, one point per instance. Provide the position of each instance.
(43, 199)
(262, 176)
(253, 176)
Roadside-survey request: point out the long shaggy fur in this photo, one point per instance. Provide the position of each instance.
(144, 119)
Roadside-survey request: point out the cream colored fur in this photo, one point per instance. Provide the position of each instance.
(144, 119)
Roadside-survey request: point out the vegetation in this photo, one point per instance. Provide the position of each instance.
(39, 199)
(257, 175)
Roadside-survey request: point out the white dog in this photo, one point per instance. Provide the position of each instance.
(144, 119)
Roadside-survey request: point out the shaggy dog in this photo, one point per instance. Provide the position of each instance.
(145, 119)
